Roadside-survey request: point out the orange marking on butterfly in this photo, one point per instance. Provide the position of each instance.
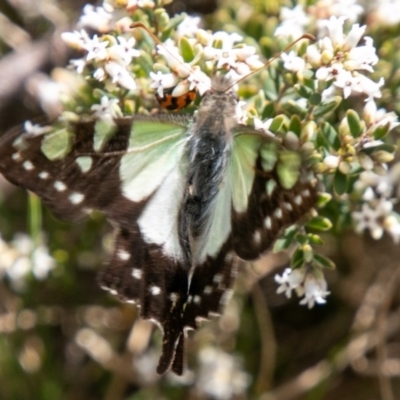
(175, 103)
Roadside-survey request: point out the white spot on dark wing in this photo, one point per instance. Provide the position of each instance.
(190, 298)
(257, 237)
(17, 156)
(28, 165)
(59, 186)
(44, 175)
(298, 200)
(288, 206)
(76, 198)
(207, 290)
(155, 290)
(213, 314)
(306, 193)
(137, 273)
(278, 213)
(226, 297)
(123, 255)
(228, 258)
(217, 278)
(174, 298)
(130, 301)
(196, 299)
(113, 292)
(268, 223)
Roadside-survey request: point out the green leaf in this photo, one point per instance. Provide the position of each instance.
(286, 240)
(295, 125)
(57, 145)
(330, 136)
(324, 261)
(315, 239)
(390, 148)
(277, 123)
(327, 106)
(303, 91)
(297, 259)
(268, 110)
(186, 49)
(319, 223)
(323, 199)
(315, 99)
(301, 238)
(354, 123)
(340, 182)
(381, 131)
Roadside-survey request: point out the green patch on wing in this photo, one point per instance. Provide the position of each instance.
(155, 148)
(244, 156)
(103, 131)
(57, 145)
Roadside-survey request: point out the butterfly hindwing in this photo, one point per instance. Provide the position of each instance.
(262, 206)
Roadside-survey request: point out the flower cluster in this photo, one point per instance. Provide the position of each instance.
(22, 258)
(305, 281)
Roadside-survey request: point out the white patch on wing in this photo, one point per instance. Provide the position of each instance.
(123, 255)
(44, 175)
(158, 222)
(28, 165)
(76, 198)
(136, 273)
(155, 290)
(16, 156)
(59, 186)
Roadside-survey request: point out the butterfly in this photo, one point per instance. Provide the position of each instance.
(188, 196)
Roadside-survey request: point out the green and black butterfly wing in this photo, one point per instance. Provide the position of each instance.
(134, 172)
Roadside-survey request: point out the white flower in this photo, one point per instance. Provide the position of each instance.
(362, 57)
(35, 129)
(189, 26)
(163, 81)
(392, 227)
(107, 109)
(290, 280)
(199, 80)
(386, 12)
(293, 22)
(124, 51)
(96, 18)
(99, 74)
(76, 39)
(78, 64)
(292, 62)
(263, 126)
(96, 50)
(120, 75)
(347, 8)
(314, 291)
(381, 117)
(220, 376)
(134, 4)
(307, 282)
(372, 218)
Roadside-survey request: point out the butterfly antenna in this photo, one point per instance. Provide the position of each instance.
(305, 36)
